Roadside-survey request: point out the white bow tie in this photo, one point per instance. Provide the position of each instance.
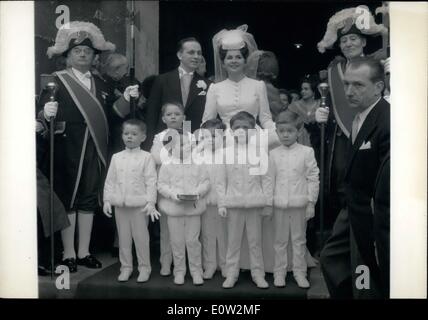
(184, 72)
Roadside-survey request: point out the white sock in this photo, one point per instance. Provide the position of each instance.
(67, 236)
(84, 222)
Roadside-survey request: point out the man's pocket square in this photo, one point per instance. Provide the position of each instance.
(202, 93)
(366, 146)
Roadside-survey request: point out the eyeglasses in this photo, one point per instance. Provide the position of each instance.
(86, 51)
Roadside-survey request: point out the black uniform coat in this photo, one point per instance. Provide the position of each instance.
(69, 143)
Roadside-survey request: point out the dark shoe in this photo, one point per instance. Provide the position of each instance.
(70, 263)
(89, 262)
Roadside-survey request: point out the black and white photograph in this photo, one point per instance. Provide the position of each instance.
(218, 150)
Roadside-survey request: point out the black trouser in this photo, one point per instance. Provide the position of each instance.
(339, 261)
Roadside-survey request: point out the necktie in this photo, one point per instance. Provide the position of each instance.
(355, 125)
(185, 80)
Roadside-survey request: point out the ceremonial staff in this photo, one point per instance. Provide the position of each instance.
(52, 88)
(323, 89)
(132, 16)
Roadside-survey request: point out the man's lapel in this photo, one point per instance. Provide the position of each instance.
(367, 128)
(175, 85)
(193, 90)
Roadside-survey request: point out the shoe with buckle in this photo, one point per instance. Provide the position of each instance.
(89, 262)
(70, 263)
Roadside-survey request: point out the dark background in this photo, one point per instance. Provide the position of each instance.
(276, 26)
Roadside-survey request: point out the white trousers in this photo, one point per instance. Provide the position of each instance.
(290, 224)
(214, 239)
(132, 225)
(184, 232)
(165, 242)
(251, 220)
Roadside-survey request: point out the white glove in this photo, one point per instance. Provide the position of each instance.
(321, 115)
(39, 127)
(131, 91)
(50, 110)
(310, 211)
(386, 65)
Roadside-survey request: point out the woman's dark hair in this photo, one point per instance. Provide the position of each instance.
(313, 82)
(244, 52)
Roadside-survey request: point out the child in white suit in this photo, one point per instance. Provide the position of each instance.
(183, 186)
(214, 227)
(243, 198)
(130, 186)
(173, 117)
(295, 177)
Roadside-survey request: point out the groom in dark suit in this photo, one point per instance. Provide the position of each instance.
(350, 251)
(183, 85)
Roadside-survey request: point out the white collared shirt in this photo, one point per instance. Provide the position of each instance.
(363, 115)
(182, 72)
(84, 78)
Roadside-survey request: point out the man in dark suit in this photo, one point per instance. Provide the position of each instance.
(382, 222)
(182, 85)
(349, 255)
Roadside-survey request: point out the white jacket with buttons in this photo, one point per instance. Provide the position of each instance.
(237, 188)
(295, 176)
(188, 179)
(131, 179)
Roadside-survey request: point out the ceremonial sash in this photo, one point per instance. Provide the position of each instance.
(342, 111)
(91, 110)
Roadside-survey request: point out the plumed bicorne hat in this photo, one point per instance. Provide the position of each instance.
(345, 22)
(77, 33)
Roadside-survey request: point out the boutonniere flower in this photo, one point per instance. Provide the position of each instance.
(104, 94)
(201, 84)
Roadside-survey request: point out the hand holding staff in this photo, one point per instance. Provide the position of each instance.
(322, 115)
(50, 111)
